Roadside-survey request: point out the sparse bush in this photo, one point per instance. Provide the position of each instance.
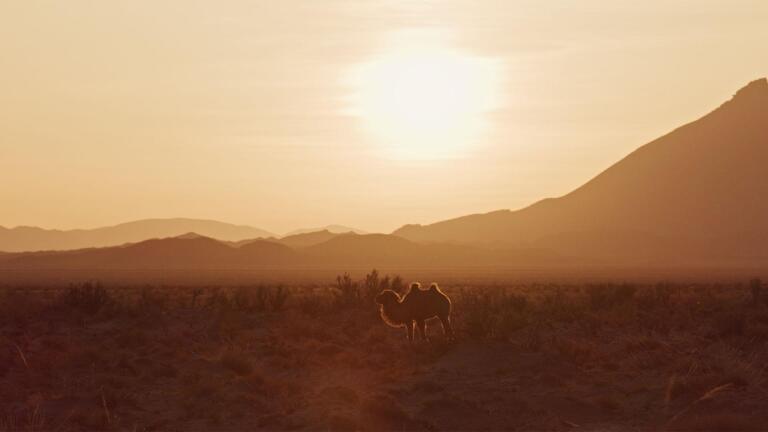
(374, 284)
(88, 297)
(397, 285)
(371, 285)
(277, 297)
(347, 292)
(385, 283)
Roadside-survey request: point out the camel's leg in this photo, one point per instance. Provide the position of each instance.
(422, 327)
(409, 329)
(447, 329)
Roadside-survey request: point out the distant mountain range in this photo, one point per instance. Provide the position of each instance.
(36, 239)
(195, 252)
(336, 229)
(293, 241)
(25, 239)
(698, 195)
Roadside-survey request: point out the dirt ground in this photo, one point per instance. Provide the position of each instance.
(318, 357)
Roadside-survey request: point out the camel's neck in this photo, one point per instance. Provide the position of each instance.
(392, 314)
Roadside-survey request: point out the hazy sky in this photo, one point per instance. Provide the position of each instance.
(281, 114)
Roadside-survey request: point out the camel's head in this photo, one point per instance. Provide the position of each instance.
(415, 286)
(387, 297)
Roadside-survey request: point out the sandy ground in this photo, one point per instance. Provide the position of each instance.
(562, 359)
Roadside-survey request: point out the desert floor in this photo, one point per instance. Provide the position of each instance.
(319, 357)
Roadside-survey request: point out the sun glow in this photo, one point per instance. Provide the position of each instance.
(426, 103)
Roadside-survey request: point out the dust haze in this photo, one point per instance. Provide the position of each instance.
(384, 216)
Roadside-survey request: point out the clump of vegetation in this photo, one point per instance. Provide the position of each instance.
(353, 293)
(89, 297)
(347, 293)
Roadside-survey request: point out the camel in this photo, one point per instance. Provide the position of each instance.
(417, 306)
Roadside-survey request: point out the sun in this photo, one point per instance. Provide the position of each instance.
(428, 103)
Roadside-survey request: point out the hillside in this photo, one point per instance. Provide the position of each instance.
(693, 196)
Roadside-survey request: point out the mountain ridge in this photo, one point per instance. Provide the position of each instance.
(683, 187)
(194, 252)
(333, 228)
(27, 238)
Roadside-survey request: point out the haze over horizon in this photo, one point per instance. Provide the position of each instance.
(281, 116)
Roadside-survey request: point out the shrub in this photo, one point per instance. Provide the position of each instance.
(397, 285)
(371, 285)
(347, 292)
(278, 297)
(385, 283)
(88, 297)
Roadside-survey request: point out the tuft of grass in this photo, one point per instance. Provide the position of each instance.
(27, 420)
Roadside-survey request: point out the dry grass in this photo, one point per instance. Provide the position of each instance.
(93, 357)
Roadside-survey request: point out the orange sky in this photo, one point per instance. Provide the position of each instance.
(258, 112)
